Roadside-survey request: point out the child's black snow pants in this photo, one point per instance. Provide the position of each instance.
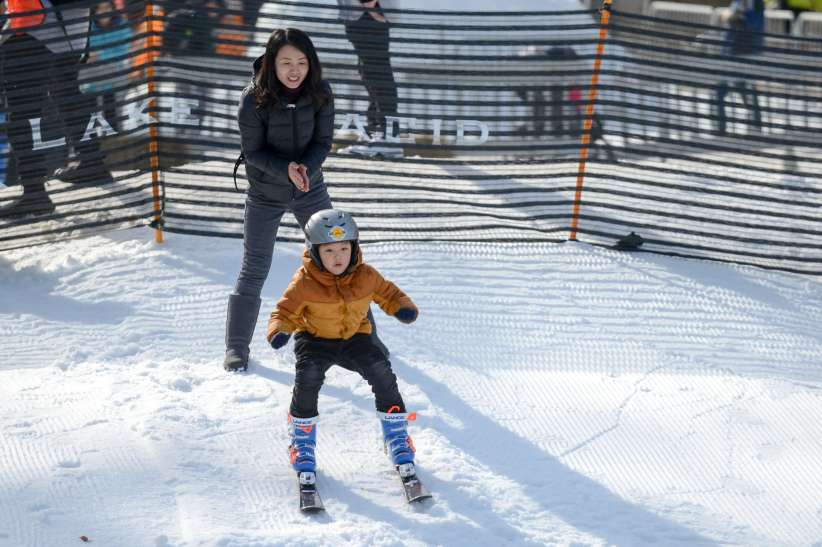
(358, 354)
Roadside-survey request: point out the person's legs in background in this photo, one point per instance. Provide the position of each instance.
(25, 97)
(751, 99)
(251, 12)
(371, 43)
(721, 94)
(76, 108)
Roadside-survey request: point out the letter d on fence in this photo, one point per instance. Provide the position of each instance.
(462, 124)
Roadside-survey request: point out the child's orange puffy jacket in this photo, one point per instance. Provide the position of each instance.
(330, 306)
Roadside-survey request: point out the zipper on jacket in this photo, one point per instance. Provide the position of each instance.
(293, 109)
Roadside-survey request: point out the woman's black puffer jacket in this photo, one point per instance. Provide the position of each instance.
(272, 138)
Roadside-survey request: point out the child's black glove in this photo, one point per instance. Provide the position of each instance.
(280, 339)
(406, 315)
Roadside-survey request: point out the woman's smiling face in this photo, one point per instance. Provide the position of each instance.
(291, 66)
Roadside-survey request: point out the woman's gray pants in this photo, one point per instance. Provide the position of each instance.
(262, 220)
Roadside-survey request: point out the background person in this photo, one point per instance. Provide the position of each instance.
(56, 44)
(367, 28)
(110, 39)
(746, 19)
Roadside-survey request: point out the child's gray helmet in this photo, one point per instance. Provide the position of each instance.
(331, 226)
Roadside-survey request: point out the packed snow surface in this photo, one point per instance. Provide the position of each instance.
(566, 394)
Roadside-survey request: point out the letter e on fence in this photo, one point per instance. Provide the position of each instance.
(181, 111)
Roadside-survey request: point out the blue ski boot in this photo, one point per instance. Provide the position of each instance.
(303, 433)
(398, 444)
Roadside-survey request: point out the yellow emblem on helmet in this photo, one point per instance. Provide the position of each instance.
(337, 233)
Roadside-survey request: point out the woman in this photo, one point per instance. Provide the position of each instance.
(286, 119)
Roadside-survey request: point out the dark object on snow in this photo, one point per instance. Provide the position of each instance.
(631, 242)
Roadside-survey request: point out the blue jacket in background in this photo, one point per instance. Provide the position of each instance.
(747, 23)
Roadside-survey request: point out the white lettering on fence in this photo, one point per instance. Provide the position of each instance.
(181, 114)
(181, 111)
(136, 115)
(104, 129)
(462, 124)
(362, 134)
(37, 137)
(436, 131)
(411, 123)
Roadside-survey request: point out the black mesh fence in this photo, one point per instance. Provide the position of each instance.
(719, 155)
(75, 157)
(701, 153)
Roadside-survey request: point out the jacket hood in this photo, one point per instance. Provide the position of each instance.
(256, 65)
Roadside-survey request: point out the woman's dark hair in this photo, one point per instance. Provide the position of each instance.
(266, 84)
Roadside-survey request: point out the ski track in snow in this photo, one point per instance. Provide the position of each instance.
(567, 395)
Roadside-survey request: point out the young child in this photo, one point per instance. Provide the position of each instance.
(325, 307)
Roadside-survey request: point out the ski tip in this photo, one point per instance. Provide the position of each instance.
(420, 499)
(414, 490)
(311, 504)
(310, 500)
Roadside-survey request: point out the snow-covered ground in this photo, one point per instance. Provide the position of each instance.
(567, 395)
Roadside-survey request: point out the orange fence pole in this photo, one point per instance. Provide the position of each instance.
(605, 17)
(152, 43)
(227, 39)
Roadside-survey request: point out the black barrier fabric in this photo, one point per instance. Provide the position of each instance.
(74, 155)
(468, 128)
